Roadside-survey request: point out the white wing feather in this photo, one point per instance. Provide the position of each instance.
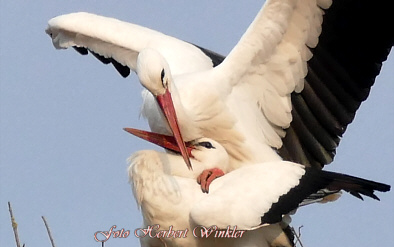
(246, 194)
(123, 41)
(269, 63)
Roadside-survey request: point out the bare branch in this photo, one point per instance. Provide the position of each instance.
(49, 231)
(14, 226)
(297, 235)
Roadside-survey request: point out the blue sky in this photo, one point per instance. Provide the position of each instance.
(63, 151)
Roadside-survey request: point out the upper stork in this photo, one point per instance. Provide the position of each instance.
(287, 90)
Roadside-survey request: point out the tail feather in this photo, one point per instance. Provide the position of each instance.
(354, 185)
(357, 195)
(320, 186)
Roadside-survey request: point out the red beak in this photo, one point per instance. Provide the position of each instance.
(167, 106)
(164, 141)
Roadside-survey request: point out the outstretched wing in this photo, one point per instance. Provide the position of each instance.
(117, 42)
(356, 38)
(304, 89)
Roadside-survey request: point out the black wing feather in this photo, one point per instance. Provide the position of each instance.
(357, 36)
(315, 184)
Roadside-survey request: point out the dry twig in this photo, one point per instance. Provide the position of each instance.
(297, 235)
(49, 231)
(14, 226)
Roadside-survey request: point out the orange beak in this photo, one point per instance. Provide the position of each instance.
(164, 141)
(167, 106)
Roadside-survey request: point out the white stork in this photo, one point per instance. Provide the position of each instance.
(287, 90)
(252, 198)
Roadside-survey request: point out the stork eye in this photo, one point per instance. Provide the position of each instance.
(162, 75)
(207, 145)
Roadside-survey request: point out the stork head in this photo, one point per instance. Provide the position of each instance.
(154, 72)
(155, 75)
(204, 150)
(209, 152)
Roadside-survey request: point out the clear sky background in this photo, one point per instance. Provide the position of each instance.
(63, 151)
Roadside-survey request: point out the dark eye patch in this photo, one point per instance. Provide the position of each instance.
(162, 75)
(207, 145)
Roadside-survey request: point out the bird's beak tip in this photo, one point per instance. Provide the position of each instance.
(165, 141)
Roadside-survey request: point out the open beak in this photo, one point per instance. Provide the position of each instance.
(165, 141)
(167, 106)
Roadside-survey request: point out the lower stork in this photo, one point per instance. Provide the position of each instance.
(253, 199)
